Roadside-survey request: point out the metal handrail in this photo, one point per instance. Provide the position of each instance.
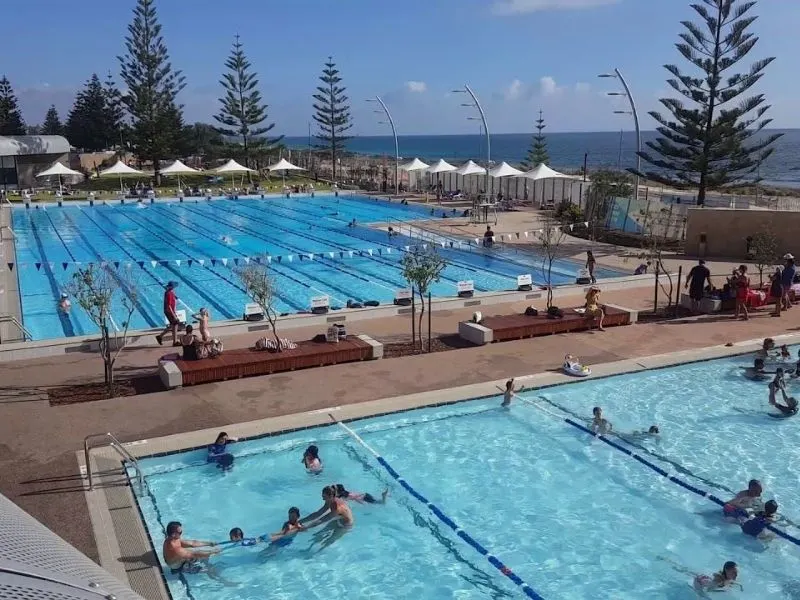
(119, 448)
(3, 228)
(12, 319)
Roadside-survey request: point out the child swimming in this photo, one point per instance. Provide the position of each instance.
(311, 460)
(599, 424)
(756, 525)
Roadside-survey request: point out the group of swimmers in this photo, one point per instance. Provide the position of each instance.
(184, 556)
(758, 372)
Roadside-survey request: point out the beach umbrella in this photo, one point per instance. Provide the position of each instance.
(120, 169)
(284, 165)
(232, 167)
(178, 168)
(58, 170)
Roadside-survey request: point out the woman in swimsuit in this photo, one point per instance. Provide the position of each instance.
(334, 511)
(593, 307)
(508, 394)
(365, 498)
(311, 460)
(718, 581)
(218, 451)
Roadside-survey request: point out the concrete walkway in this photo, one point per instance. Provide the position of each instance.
(38, 469)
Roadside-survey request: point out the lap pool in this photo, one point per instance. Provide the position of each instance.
(568, 514)
(198, 244)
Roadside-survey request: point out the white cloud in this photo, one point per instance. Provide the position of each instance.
(515, 7)
(416, 86)
(582, 88)
(514, 90)
(548, 86)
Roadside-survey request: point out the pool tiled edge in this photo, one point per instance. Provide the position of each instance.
(118, 527)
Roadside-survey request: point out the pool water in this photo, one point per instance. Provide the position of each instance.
(198, 244)
(571, 516)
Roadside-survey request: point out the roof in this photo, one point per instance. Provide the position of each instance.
(21, 145)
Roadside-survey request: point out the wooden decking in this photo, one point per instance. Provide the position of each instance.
(247, 362)
(514, 327)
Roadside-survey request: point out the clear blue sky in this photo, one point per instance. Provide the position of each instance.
(517, 55)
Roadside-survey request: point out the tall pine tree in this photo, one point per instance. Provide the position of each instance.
(332, 112)
(537, 154)
(716, 138)
(52, 122)
(87, 121)
(11, 122)
(243, 111)
(156, 120)
(115, 112)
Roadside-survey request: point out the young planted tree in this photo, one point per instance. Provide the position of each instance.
(96, 290)
(421, 268)
(715, 138)
(52, 123)
(332, 113)
(763, 251)
(156, 119)
(87, 123)
(654, 238)
(11, 122)
(259, 285)
(605, 186)
(243, 112)
(549, 238)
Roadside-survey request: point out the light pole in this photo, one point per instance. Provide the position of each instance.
(627, 93)
(476, 104)
(396, 145)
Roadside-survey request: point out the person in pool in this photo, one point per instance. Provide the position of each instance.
(756, 526)
(718, 581)
(292, 526)
(788, 409)
(311, 460)
(365, 498)
(757, 372)
(785, 354)
(334, 511)
(182, 556)
(766, 350)
(508, 394)
(777, 384)
(744, 501)
(218, 451)
(599, 424)
(652, 432)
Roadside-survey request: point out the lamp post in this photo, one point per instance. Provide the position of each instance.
(476, 104)
(627, 93)
(396, 145)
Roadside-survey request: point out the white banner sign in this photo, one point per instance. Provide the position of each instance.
(524, 280)
(253, 309)
(320, 302)
(404, 294)
(466, 286)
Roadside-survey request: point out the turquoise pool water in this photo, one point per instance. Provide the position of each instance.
(198, 244)
(571, 516)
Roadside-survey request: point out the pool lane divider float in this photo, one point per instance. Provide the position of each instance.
(647, 463)
(493, 560)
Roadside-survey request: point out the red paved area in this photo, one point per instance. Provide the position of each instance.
(37, 442)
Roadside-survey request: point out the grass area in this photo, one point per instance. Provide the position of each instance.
(105, 189)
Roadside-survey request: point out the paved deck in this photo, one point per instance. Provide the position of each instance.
(38, 469)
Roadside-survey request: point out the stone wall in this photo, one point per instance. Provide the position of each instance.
(723, 232)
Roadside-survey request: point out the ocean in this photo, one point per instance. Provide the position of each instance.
(567, 150)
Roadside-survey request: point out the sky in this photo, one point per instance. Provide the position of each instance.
(518, 56)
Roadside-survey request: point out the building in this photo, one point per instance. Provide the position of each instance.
(23, 156)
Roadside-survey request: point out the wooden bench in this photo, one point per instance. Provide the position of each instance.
(248, 362)
(515, 327)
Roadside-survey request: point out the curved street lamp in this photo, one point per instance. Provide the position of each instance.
(627, 93)
(476, 104)
(396, 145)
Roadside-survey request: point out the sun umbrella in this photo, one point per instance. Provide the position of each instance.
(58, 169)
(233, 167)
(120, 169)
(178, 168)
(284, 165)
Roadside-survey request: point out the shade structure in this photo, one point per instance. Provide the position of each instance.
(470, 168)
(58, 170)
(542, 171)
(441, 166)
(414, 165)
(284, 165)
(232, 167)
(178, 168)
(504, 170)
(120, 169)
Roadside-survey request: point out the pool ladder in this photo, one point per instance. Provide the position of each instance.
(26, 335)
(110, 440)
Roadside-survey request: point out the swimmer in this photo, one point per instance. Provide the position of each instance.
(788, 409)
(292, 526)
(777, 384)
(509, 392)
(366, 498)
(334, 511)
(744, 501)
(718, 581)
(756, 526)
(218, 452)
(352, 223)
(180, 555)
(652, 432)
(757, 371)
(226, 239)
(64, 304)
(785, 354)
(599, 424)
(767, 346)
(236, 536)
(311, 460)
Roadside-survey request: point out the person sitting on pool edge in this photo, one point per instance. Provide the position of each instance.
(311, 460)
(744, 501)
(599, 424)
(756, 526)
(361, 498)
(181, 555)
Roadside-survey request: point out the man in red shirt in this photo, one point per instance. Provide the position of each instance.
(170, 313)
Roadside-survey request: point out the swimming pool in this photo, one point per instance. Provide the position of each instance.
(199, 244)
(572, 517)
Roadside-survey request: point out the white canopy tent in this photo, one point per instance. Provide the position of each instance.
(59, 170)
(504, 170)
(414, 165)
(178, 168)
(232, 168)
(541, 172)
(439, 167)
(470, 168)
(284, 165)
(120, 169)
